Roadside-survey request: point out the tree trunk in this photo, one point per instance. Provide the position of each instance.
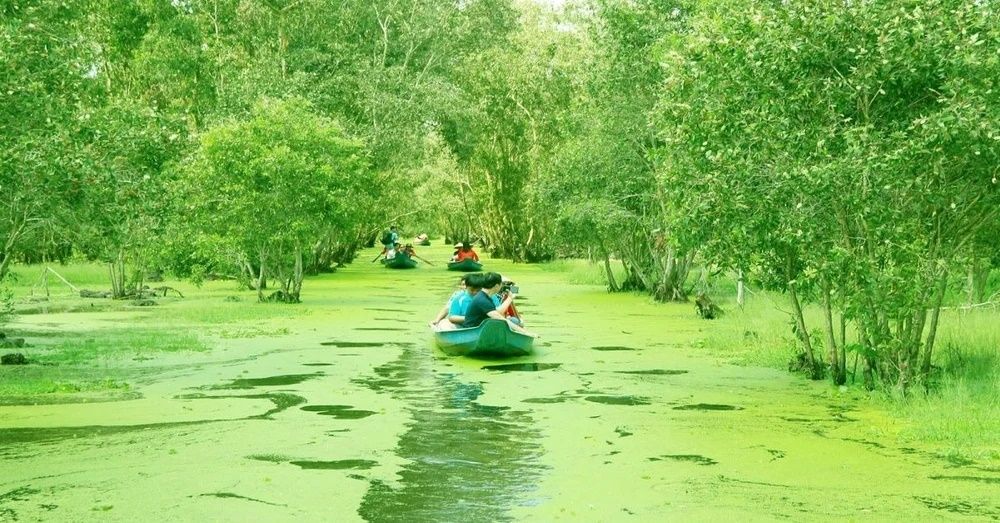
(612, 284)
(843, 349)
(8, 247)
(740, 289)
(800, 323)
(260, 279)
(979, 273)
(837, 373)
(297, 276)
(117, 270)
(4, 264)
(925, 364)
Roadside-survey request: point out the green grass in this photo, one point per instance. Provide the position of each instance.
(99, 361)
(214, 303)
(132, 343)
(92, 357)
(18, 383)
(759, 334)
(582, 272)
(88, 275)
(960, 413)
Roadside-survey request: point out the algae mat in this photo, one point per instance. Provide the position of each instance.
(350, 414)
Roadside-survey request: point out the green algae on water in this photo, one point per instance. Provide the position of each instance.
(270, 381)
(338, 411)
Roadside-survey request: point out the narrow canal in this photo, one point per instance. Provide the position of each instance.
(346, 412)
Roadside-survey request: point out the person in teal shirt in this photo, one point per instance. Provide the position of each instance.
(453, 313)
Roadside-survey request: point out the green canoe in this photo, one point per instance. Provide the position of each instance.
(400, 261)
(492, 339)
(424, 243)
(466, 265)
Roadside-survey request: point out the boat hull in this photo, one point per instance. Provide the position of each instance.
(400, 261)
(492, 339)
(466, 265)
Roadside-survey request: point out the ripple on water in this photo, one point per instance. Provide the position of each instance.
(653, 372)
(281, 400)
(979, 479)
(353, 344)
(270, 458)
(550, 399)
(959, 506)
(692, 458)
(608, 348)
(619, 400)
(237, 496)
(270, 381)
(340, 464)
(707, 406)
(522, 367)
(457, 453)
(338, 411)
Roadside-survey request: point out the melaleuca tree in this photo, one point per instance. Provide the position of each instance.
(273, 184)
(846, 152)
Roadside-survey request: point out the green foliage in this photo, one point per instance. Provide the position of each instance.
(274, 183)
(43, 81)
(841, 148)
(6, 302)
(600, 185)
(123, 206)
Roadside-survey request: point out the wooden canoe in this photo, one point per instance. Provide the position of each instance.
(466, 265)
(400, 261)
(492, 339)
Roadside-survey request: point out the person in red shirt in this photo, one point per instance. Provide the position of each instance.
(466, 253)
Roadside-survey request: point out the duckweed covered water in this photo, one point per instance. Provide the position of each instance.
(610, 420)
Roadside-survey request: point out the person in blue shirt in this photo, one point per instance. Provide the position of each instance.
(453, 313)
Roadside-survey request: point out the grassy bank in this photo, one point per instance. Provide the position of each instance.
(80, 348)
(959, 415)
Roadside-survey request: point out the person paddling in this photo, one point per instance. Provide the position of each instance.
(465, 252)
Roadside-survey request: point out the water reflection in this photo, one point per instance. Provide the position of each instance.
(464, 457)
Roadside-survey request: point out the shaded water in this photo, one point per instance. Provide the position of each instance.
(352, 415)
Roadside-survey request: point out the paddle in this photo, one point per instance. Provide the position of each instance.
(423, 260)
(379, 255)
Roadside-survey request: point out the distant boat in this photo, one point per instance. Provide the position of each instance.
(467, 265)
(492, 339)
(400, 261)
(425, 242)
